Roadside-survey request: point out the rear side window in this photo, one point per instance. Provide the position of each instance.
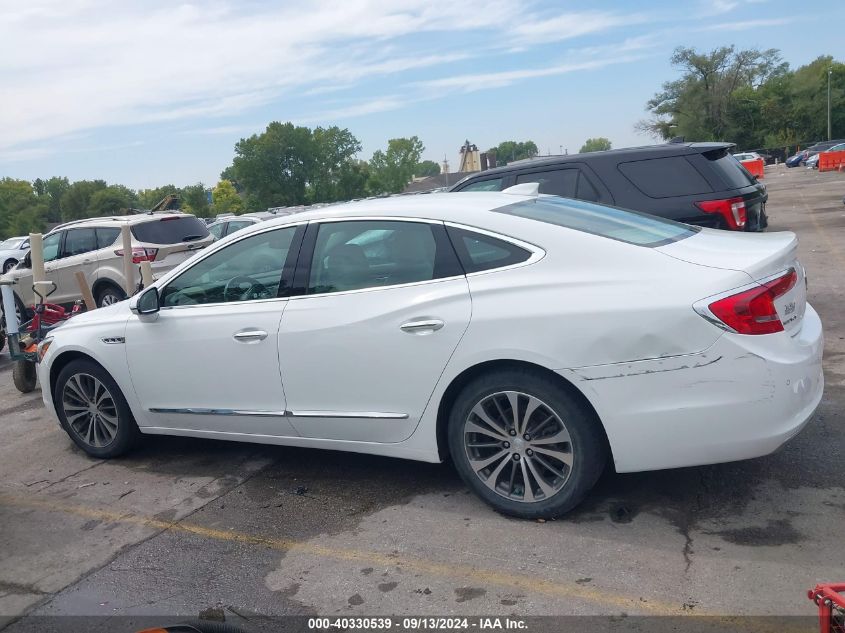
(107, 237)
(559, 182)
(632, 227)
(171, 230)
(479, 252)
(80, 241)
(665, 177)
(728, 170)
(493, 184)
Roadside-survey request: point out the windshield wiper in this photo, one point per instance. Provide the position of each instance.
(191, 238)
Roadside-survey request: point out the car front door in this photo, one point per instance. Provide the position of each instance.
(208, 360)
(385, 304)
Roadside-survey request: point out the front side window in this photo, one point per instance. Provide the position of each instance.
(493, 184)
(247, 270)
(216, 230)
(79, 241)
(51, 245)
(237, 226)
(371, 254)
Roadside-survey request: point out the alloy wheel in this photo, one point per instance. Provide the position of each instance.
(108, 299)
(90, 410)
(518, 446)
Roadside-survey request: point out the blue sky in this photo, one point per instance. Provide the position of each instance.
(155, 92)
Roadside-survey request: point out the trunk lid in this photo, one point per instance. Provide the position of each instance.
(760, 255)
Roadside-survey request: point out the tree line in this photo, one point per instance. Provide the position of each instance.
(285, 165)
(748, 97)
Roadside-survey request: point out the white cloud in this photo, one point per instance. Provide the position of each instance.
(75, 65)
(748, 24)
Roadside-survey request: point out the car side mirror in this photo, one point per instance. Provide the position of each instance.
(146, 303)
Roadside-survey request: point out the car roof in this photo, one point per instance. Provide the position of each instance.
(645, 151)
(112, 220)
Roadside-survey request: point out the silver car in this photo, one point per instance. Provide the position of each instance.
(12, 251)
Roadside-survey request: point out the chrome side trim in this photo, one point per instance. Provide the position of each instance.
(372, 415)
(369, 415)
(202, 411)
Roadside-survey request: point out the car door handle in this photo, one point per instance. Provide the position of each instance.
(248, 336)
(422, 326)
(87, 261)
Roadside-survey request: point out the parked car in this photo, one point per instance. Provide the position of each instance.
(747, 156)
(696, 183)
(12, 251)
(94, 247)
(799, 158)
(813, 161)
(229, 225)
(519, 335)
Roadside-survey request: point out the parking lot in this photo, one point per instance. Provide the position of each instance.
(231, 530)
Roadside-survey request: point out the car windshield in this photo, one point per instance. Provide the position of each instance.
(631, 227)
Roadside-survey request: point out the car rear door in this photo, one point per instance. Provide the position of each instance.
(384, 304)
(78, 255)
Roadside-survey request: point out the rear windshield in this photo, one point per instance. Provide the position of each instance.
(728, 169)
(631, 227)
(171, 230)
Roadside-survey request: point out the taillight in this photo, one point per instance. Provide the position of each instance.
(753, 311)
(140, 254)
(731, 209)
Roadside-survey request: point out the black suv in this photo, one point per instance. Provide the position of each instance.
(696, 183)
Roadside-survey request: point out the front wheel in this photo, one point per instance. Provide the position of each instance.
(93, 411)
(524, 445)
(24, 376)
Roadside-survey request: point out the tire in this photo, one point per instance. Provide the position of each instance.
(115, 430)
(109, 294)
(9, 264)
(24, 376)
(554, 414)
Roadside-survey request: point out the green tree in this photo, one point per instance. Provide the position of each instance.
(76, 199)
(225, 199)
(113, 200)
(392, 170)
(598, 144)
(333, 171)
(427, 168)
(699, 105)
(51, 191)
(510, 151)
(22, 211)
(274, 167)
(148, 198)
(194, 199)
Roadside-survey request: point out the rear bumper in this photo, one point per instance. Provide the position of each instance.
(743, 397)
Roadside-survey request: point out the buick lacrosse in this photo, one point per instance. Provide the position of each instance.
(529, 339)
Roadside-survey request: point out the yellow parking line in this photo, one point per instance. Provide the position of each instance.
(508, 580)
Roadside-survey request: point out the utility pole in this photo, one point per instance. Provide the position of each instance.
(829, 73)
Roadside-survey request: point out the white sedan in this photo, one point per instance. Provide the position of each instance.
(528, 338)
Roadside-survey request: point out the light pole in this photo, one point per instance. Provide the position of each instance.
(829, 73)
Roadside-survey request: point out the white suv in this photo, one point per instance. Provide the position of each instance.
(94, 247)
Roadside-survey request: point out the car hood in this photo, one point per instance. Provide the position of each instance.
(108, 315)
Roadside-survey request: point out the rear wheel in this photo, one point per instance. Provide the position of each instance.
(108, 295)
(93, 411)
(524, 445)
